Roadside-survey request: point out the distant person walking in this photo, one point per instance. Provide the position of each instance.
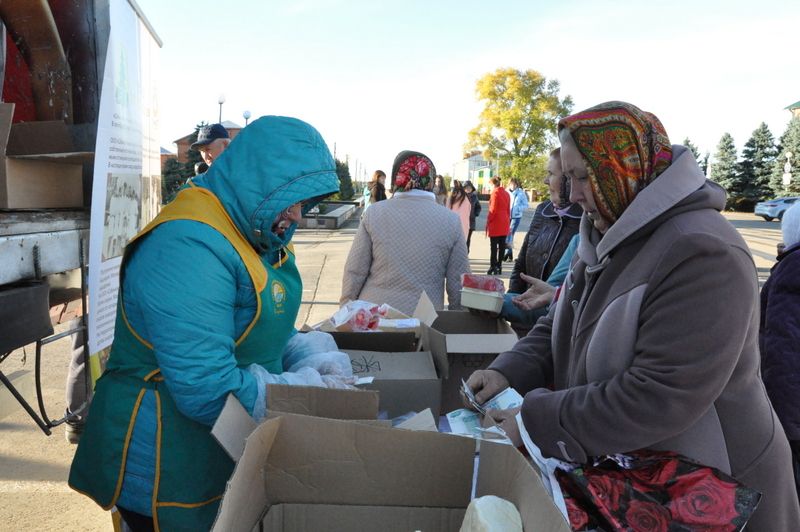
(497, 225)
(519, 203)
(460, 204)
(440, 190)
(375, 190)
(475, 208)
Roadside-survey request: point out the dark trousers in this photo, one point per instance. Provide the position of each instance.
(136, 522)
(497, 248)
(469, 237)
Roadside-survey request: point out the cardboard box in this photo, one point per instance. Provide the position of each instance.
(406, 382)
(461, 342)
(300, 473)
(30, 183)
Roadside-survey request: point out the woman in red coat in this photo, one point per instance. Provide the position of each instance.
(497, 225)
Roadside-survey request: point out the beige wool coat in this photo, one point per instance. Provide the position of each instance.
(405, 245)
(653, 343)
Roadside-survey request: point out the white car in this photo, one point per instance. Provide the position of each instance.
(769, 210)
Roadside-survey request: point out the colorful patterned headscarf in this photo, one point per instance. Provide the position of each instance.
(412, 169)
(624, 148)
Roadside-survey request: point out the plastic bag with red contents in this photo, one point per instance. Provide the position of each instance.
(489, 283)
(359, 316)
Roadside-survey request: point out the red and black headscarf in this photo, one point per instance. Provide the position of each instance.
(412, 169)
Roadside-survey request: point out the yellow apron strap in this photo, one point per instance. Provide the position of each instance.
(201, 205)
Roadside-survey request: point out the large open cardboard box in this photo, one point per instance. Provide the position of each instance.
(461, 342)
(406, 382)
(300, 474)
(38, 168)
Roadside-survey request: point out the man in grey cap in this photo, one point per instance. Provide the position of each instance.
(211, 142)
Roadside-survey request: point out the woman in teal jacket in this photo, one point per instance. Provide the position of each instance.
(209, 295)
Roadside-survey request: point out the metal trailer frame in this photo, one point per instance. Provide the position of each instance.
(24, 234)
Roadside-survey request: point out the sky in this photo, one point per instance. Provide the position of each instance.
(378, 77)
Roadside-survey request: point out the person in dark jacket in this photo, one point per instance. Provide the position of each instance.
(469, 188)
(779, 334)
(552, 237)
(552, 227)
(376, 190)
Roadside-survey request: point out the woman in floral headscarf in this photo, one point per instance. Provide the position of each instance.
(407, 244)
(652, 340)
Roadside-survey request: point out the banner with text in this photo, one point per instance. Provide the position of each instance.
(126, 193)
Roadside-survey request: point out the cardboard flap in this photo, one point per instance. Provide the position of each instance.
(412, 365)
(504, 472)
(33, 138)
(245, 496)
(480, 343)
(232, 427)
(436, 343)
(315, 460)
(422, 421)
(322, 402)
(425, 311)
(6, 116)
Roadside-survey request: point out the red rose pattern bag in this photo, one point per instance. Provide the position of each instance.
(654, 491)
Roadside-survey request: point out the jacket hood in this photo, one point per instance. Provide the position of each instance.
(681, 187)
(271, 164)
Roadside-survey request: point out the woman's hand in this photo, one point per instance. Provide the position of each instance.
(507, 420)
(485, 384)
(539, 294)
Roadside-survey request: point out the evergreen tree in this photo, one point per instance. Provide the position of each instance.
(723, 171)
(789, 143)
(692, 148)
(345, 182)
(704, 164)
(193, 157)
(756, 166)
(173, 176)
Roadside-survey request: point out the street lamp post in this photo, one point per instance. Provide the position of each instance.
(787, 170)
(220, 101)
(246, 115)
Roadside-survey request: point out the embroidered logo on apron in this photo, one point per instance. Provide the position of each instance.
(278, 296)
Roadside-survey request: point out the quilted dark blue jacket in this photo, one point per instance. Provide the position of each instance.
(779, 339)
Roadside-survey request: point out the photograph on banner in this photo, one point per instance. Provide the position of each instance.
(123, 212)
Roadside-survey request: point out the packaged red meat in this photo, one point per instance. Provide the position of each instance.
(490, 283)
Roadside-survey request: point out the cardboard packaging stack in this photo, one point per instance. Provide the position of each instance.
(423, 367)
(39, 168)
(302, 473)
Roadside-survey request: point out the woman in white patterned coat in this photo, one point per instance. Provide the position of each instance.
(407, 244)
